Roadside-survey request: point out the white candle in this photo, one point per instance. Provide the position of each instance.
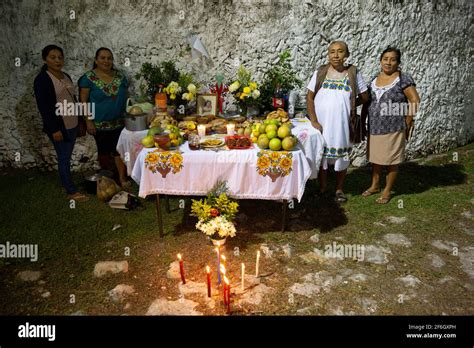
(258, 261)
(201, 130)
(231, 129)
(243, 276)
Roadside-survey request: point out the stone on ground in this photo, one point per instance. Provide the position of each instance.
(173, 272)
(162, 306)
(396, 219)
(397, 239)
(104, 267)
(368, 305)
(255, 295)
(29, 276)
(314, 238)
(359, 277)
(376, 254)
(119, 293)
(409, 281)
(448, 246)
(435, 260)
(193, 288)
(466, 257)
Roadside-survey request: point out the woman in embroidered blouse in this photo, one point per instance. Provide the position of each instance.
(394, 101)
(106, 88)
(333, 94)
(53, 86)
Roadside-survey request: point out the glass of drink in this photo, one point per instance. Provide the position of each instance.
(194, 141)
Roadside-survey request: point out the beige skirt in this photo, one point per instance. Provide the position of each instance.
(387, 149)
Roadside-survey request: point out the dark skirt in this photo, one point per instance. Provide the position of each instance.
(107, 140)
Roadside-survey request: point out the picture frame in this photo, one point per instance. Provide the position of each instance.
(206, 104)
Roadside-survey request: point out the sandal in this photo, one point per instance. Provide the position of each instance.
(368, 193)
(383, 200)
(340, 197)
(78, 197)
(126, 185)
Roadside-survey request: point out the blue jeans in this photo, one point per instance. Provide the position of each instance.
(64, 153)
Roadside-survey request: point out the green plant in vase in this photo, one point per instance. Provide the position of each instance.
(279, 75)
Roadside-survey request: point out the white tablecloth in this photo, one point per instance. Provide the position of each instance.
(311, 142)
(202, 169)
(128, 147)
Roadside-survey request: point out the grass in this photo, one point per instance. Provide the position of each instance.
(432, 194)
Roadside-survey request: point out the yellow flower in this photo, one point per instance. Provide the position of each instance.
(286, 163)
(152, 158)
(192, 88)
(262, 172)
(234, 86)
(176, 160)
(263, 162)
(247, 90)
(253, 85)
(243, 96)
(173, 96)
(275, 155)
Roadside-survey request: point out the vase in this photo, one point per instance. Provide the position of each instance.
(243, 110)
(218, 241)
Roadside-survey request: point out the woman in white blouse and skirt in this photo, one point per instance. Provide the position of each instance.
(334, 92)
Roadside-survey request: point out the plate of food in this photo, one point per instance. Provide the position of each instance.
(238, 142)
(212, 141)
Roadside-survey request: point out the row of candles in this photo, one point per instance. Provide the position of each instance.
(221, 275)
(202, 129)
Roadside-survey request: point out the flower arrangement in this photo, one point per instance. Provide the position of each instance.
(170, 80)
(216, 213)
(244, 89)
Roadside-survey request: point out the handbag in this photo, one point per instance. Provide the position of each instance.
(355, 129)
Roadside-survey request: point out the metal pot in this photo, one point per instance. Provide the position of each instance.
(90, 180)
(136, 122)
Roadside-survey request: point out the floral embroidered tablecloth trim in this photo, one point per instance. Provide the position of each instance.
(163, 162)
(274, 164)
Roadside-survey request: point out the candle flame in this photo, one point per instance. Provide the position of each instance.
(223, 257)
(258, 253)
(179, 257)
(226, 280)
(208, 269)
(222, 269)
(243, 266)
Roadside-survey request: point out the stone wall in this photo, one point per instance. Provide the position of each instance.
(435, 38)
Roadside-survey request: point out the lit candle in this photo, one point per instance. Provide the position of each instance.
(201, 130)
(208, 271)
(243, 276)
(231, 129)
(181, 268)
(225, 286)
(224, 260)
(227, 290)
(218, 265)
(258, 261)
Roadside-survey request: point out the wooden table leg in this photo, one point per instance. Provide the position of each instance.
(158, 215)
(283, 211)
(167, 204)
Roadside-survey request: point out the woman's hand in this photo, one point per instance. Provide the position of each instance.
(317, 125)
(58, 136)
(90, 127)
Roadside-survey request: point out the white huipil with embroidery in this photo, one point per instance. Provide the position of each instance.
(332, 105)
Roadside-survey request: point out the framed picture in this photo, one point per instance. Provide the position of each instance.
(207, 104)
